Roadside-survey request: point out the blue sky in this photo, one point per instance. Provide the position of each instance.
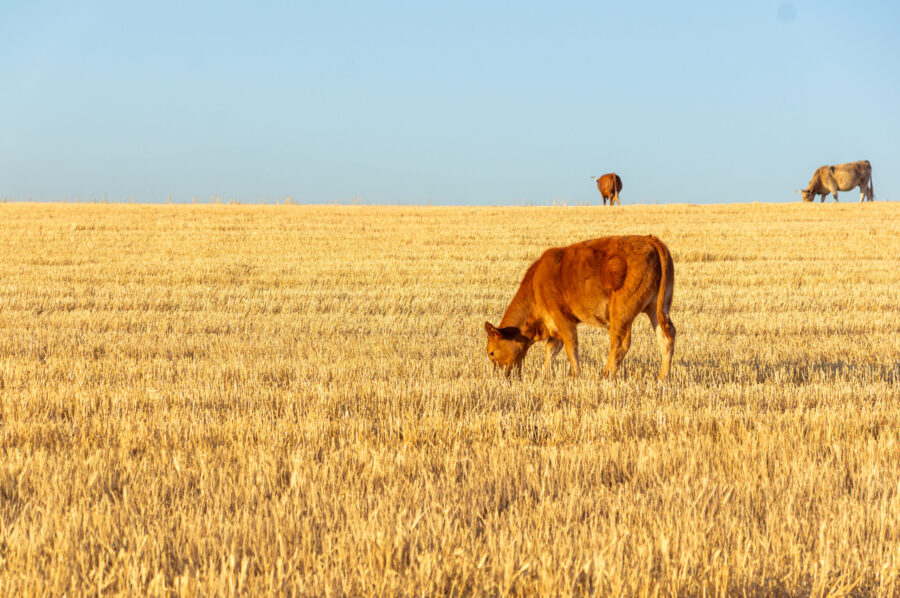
(452, 103)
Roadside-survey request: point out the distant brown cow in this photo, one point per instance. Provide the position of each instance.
(605, 282)
(842, 177)
(607, 189)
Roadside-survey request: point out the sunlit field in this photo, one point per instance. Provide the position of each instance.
(225, 399)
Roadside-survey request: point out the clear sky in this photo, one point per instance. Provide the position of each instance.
(447, 103)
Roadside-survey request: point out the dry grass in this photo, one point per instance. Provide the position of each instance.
(228, 399)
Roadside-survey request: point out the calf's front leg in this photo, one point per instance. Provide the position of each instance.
(554, 345)
(570, 339)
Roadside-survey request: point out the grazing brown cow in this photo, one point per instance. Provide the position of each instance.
(841, 177)
(605, 282)
(607, 189)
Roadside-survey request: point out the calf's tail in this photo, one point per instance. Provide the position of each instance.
(665, 263)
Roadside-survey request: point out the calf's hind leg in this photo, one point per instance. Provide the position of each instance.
(666, 346)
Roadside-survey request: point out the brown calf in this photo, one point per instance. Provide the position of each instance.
(604, 282)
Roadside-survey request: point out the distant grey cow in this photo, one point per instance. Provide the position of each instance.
(841, 177)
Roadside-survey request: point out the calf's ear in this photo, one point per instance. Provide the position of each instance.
(491, 330)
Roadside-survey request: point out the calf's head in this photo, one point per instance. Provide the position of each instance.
(506, 347)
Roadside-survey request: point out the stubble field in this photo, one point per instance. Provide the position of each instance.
(203, 400)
